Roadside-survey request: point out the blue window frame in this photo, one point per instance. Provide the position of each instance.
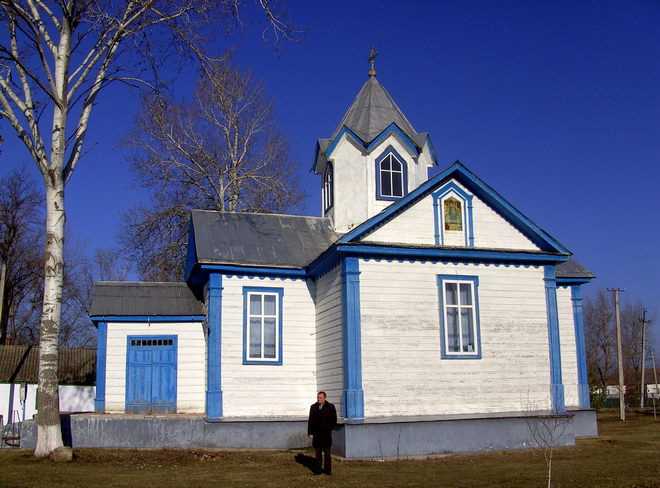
(262, 325)
(328, 191)
(391, 175)
(460, 335)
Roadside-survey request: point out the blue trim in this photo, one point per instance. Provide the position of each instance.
(480, 189)
(335, 141)
(350, 289)
(191, 254)
(583, 381)
(393, 128)
(132, 407)
(434, 158)
(404, 175)
(443, 351)
(148, 318)
(470, 255)
(101, 362)
(573, 281)
(202, 271)
(280, 302)
(466, 198)
(558, 404)
(214, 347)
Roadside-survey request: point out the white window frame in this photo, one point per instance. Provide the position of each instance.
(249, 292)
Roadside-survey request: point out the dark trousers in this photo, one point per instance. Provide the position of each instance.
(327, 467)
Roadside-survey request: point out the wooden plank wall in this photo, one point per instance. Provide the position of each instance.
(269, 390)
(191, 359)
(568, 347)
(402, 370)
(329, 350)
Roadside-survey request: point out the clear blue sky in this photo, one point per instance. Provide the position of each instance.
(554, 104)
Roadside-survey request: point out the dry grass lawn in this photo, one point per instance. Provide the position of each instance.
(624, 455)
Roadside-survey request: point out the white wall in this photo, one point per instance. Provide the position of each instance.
(73, 398)
(329, 342)
(569, 371)
(191, 363)
(402, 369)
(269, 390)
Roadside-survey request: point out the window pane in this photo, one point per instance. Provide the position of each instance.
(269, 338)
(269, 304)
(466, 294)
(385, 184)
(396, 165)
(467, 327)
(385, 164)
(397, 184)
(255, 304)
(255, 338)
(451, 295)
(453, 344)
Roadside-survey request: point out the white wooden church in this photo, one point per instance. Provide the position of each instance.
(434, 314)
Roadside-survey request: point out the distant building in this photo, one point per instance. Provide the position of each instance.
(434, 314)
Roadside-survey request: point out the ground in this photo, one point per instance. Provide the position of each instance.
(626, 454)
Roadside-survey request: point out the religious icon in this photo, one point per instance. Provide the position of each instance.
(453, 214)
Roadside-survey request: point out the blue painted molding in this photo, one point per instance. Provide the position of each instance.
(565, 282)
(191, 254)
(443, 350)
(350, 289)
(214, 347)
(101, 362)
(201, 272)
(480, 189)
(404, 174)
(578, 320)
(558, 403)
(463, 196)
(148, 318)
(280, 296)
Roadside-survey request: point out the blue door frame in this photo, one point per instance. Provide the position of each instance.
(151, 373)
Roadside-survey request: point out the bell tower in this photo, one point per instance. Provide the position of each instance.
(374, 158)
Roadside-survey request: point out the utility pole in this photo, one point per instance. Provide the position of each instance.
(642, 402)
(622, 407)
(655, 390)
(3, 274)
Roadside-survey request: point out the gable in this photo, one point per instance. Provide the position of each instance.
(452, 216)
(500, 225)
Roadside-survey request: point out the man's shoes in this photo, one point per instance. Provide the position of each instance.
(318, 471)
(328, 472)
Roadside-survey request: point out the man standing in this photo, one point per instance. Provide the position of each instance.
(322, 419)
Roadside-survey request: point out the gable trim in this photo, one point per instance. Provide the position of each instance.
(438, 212)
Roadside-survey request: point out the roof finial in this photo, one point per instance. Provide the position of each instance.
(371, 60)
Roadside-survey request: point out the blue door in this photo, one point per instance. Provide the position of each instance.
(151, 374)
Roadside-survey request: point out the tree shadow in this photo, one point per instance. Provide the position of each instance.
(308, 461)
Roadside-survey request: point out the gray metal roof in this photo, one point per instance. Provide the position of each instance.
(282, 241)
(372, 111)
(572, 269)
(20, 364)
(124, 298)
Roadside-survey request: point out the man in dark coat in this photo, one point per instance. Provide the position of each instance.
(322, 419)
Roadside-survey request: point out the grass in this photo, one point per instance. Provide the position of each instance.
(626, 454)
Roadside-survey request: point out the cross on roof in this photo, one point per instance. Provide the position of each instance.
(372, 72)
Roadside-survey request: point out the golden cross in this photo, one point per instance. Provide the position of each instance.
(371, 60)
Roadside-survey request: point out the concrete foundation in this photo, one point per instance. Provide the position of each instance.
(371, 438)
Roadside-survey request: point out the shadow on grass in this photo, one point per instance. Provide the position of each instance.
(307, 461)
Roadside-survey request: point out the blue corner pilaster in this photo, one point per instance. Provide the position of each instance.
(553, 333)
(101, 354)
(214, 347)
(350, 289)
(583, 381)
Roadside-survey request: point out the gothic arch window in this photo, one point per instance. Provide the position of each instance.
(391, 176)
(328, 190)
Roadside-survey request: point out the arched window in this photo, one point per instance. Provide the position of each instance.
(391, 171)
(328, 196)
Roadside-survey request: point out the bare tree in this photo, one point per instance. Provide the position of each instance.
(55, 59)
(224, 151)
(21, 244)
(547, 431)
(600, 339)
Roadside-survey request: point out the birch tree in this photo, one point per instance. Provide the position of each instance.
(56, 57)
(222, 151)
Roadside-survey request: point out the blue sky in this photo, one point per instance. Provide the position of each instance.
(554, 104)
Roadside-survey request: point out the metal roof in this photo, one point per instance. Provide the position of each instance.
(282, 241)
(20, 364)
(572, 269)
(123, 298)
(373, 111)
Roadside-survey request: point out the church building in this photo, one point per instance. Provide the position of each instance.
(435, 315)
